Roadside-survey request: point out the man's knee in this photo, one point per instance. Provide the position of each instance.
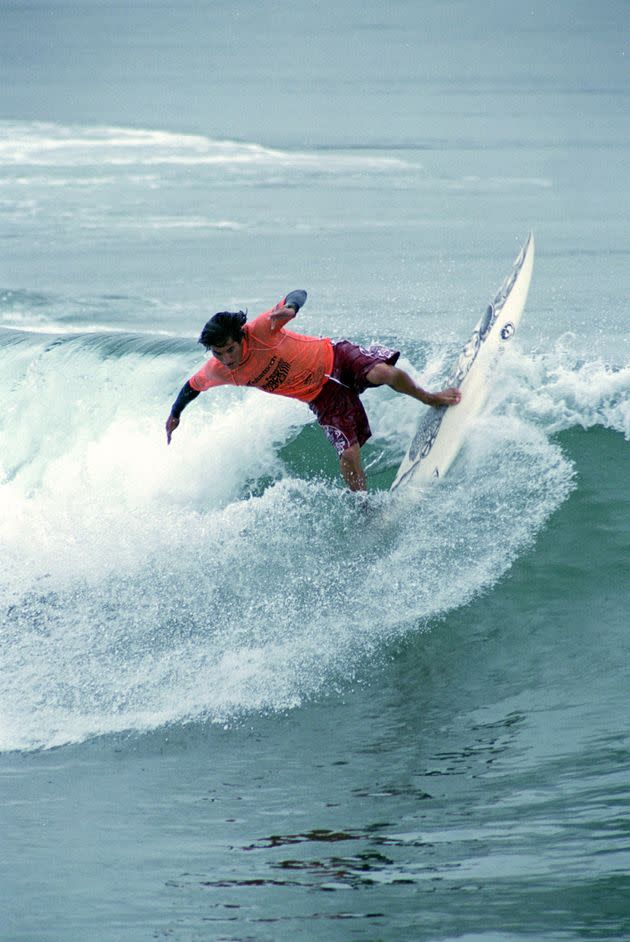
(351, 457)
(351, 468)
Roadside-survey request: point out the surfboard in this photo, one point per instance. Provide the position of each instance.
(442, 429)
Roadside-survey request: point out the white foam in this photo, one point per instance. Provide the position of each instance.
(163, 222)
(559, 390)
(230, 610)
(44, 144)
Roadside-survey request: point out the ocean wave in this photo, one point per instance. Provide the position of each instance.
(155, 223)
(556, 388)
(42, 144)
(146, 585)
(156, 614)
(560, 389)
(60, 315)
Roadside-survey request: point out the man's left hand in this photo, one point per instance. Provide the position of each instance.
(171, 425)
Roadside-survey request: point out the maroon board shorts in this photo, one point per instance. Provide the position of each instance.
(337, 406)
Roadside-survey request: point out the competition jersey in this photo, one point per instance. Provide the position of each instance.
(275, 360)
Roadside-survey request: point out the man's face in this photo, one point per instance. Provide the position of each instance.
(229, 355)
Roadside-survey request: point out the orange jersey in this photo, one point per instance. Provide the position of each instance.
(274, 360)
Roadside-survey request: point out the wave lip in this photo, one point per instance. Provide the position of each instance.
(559, 390)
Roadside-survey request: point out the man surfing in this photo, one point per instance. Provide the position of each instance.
(329, 376)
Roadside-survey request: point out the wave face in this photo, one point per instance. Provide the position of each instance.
(147, 585)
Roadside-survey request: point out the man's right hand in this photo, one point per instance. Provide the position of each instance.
(281, 315)
(171, 425)
(447, 397)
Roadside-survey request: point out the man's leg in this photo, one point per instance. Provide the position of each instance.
(352, 469)
(382, 374)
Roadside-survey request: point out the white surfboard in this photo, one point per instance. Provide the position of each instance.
(442, 429)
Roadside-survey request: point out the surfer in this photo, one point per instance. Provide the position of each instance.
(328, 376)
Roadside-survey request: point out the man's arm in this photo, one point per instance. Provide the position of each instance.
(186, 395)
(383, 374)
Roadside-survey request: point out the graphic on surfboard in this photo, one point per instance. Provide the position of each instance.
(442, 429)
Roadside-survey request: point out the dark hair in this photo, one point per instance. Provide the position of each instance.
(222, 328)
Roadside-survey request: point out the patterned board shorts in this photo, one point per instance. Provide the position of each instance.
(338, 408)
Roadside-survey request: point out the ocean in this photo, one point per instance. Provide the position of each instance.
(237, 703)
